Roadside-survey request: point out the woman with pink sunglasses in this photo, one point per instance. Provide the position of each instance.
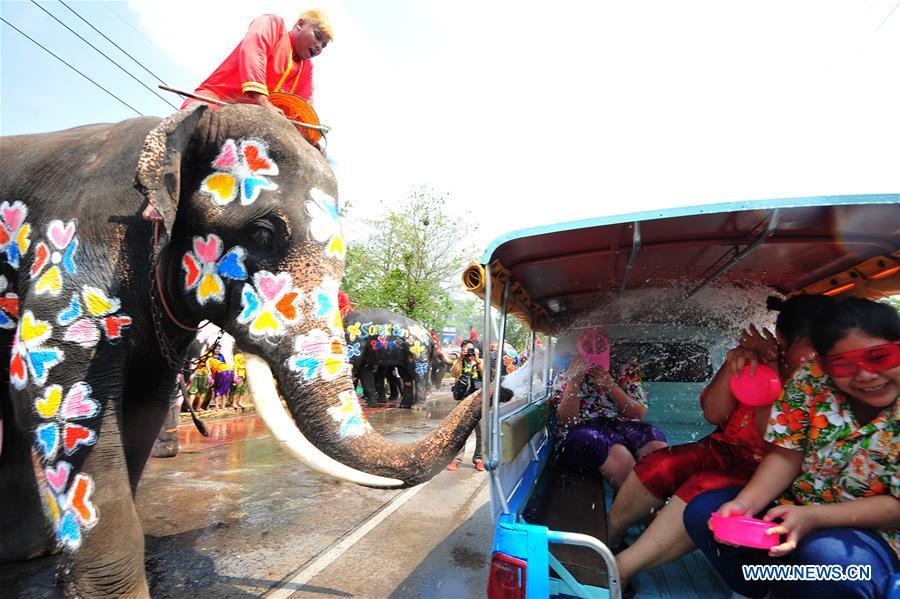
(832, 470)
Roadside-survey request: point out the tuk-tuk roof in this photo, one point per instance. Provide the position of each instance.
(788, 244)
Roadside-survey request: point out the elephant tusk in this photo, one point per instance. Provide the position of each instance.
(282, 426)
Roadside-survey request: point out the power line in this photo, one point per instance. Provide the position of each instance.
(136, 61)
(99, 51)
(71, 67)
(118, 16)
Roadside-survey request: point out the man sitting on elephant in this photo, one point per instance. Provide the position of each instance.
(270, 58)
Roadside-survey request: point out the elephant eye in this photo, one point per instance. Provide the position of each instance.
(263, 234)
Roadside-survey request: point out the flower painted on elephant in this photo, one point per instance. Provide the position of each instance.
(204, 269)
(72, 512)
(99, 312)
(270, 304)
(353, 331)
(326, 305)
(421, 368)
(319, 355)
(240, 172)
(29, 357)
(14, 231)
(350, 416)
(416, 348)
(9, 305)
(325, 225)
(353, 350)
(59, 255)
(58, 430)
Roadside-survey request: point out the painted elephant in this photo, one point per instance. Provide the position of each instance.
(379, 338)
(115, 242)
(440, 363)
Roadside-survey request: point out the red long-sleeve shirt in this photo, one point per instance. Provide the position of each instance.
(262, 62)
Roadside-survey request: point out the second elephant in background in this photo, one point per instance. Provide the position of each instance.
(379, 338)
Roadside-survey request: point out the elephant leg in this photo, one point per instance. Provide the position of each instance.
(408, 389)
(166, 444)
(395, 384)
(380, 373)
(147, 408)
(367, 376)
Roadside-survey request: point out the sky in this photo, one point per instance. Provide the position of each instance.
(526, 113)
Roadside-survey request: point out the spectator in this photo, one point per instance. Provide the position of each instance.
(240, 381)
(468, 370)
(222, 378)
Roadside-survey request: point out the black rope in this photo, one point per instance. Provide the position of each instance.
(136, 61)
(101, 53)
(71, 67)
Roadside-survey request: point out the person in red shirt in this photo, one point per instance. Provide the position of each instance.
(270, 58)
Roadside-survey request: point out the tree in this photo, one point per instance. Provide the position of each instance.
(411, 262)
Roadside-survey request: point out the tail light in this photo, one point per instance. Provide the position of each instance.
(507, 578)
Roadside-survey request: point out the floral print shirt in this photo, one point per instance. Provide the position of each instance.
(842, 460)
(595, 400)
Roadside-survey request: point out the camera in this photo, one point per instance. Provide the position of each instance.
(471, 352)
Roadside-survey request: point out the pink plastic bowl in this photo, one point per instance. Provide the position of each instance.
(761, 388)
(593, 346)
(740, 530)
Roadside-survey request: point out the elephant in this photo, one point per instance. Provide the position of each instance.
(116, 241)
(439, 365)
(394, 384)
(379, 338)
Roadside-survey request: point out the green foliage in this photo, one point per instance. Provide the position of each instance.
(411, 262)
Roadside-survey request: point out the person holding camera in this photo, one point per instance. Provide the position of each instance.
(468, 370)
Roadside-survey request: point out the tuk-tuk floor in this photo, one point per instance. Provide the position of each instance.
(689, 577)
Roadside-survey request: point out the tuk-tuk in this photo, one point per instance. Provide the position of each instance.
(671, 287)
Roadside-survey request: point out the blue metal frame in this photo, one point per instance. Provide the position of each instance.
(839, 200)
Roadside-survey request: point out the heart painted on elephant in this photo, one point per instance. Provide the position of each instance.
(191, 269)
(6, 322)
(98, 303)
(210, 287)
(78, 403)
(40, 362)
(70, 314)
(68, 531)
(227, 158)
(68, 260)
(41, 255)
(17, 370)
(84, 332)
(50, 506)
(257, 158)
(265, 322)
(113, 326)
(14, 215)
(252, 186)
(48, 405)
(78, 499)
(61, 234)
(77, 435)
(232, 264)
(50, 282)
(307, 366)
(9, 304)
(23, 239)
(4, 237)
(333, 368)
(336, 248)
(349, 414)
(250, 302)
(209, 249)
(59, 476)
(271, 286)
(222, 187)
(286, 306)
(33, 331)
(47, 437)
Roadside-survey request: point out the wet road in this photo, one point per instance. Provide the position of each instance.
(235, 516)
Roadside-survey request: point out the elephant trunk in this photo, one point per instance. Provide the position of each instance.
(330, 433)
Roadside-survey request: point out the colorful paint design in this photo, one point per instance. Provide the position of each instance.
(14, 232)
(325, 224)
(30, 359)
(88, 315)
(390, 337)
(326, 305)
(9, 305)
(58, 431)
(319, 356)
(349, 415)
(51, 261)
(66, 498)
(204, 269)
(270, 305)
(240, 172)
(421, 369)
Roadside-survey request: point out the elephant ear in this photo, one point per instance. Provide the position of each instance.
(158, 175)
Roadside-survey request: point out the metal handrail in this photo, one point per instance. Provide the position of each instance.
(582, 540)
(635, 248)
